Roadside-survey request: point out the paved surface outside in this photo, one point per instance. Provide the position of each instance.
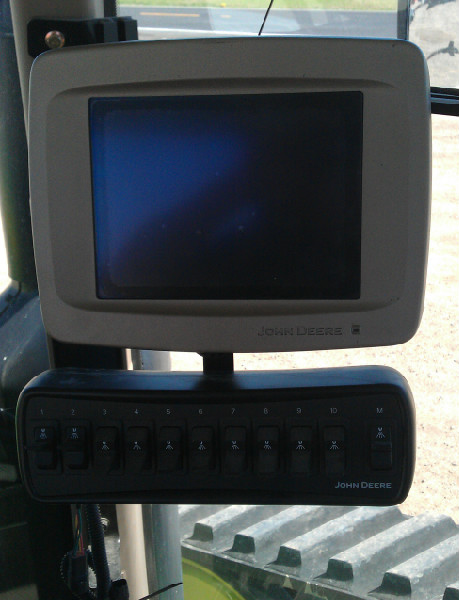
(298, 22)
(434, 27)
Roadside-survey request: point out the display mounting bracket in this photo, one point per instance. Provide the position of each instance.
(50, 34)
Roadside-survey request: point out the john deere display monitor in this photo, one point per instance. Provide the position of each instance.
(231, 195)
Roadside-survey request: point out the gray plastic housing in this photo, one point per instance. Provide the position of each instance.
(396, 164)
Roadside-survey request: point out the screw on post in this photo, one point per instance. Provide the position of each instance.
(55, 39)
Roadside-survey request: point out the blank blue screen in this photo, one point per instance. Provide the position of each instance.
(227, 196)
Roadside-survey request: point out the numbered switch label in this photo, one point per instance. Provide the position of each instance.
(268, 450)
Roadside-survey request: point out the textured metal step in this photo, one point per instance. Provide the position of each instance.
(423, 576)
(189, 514)
(338, 553)
(217, 531)
(260, 542)
(362, 567)
(307, 555)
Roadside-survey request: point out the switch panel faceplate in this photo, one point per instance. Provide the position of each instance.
(328, 436)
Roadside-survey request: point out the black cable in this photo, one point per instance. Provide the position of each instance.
(99, 555)
(161, 591)
(265, 17)
(110, 8)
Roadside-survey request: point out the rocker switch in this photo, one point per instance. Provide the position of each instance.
(268, 449)
(170, 449)
(202, 449)
(45, 447)
(235, 450)
(334, 450)
(381, 447)
(300, 450)
(107, 454)
(75, 451)
(138, 454)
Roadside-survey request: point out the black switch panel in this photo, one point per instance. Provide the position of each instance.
(327, 436)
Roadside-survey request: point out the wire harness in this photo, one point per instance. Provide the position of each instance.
(75, 564)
